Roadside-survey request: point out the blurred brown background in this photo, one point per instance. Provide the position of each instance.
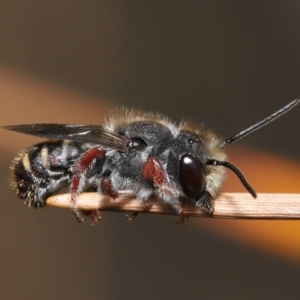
(226, 64)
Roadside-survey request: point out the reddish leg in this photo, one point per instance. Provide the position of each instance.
(153, 172)
(94, 215)
(107, 189)
(79, 169)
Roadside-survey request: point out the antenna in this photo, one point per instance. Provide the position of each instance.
(238, 173)
(260, 124)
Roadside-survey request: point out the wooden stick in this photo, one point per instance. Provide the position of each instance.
(227, 205)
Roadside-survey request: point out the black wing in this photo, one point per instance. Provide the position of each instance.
(86, 133)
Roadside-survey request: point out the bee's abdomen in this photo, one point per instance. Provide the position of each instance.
(42, 169)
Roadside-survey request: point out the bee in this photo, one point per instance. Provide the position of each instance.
(144, 153)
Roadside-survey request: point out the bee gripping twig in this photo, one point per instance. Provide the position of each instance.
(227, 205)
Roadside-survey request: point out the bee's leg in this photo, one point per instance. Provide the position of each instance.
(132, 216)
(147, 205)
(79, 168)
(94, 215)
(205, 203)
(182, 217)
(106, 188)
(154, 172)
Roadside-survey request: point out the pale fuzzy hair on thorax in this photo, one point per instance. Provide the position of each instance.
(124, 115)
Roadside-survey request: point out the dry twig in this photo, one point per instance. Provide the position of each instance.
(227, 205)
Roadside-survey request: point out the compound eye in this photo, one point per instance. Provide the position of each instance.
(192, 176)
(137, 144)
